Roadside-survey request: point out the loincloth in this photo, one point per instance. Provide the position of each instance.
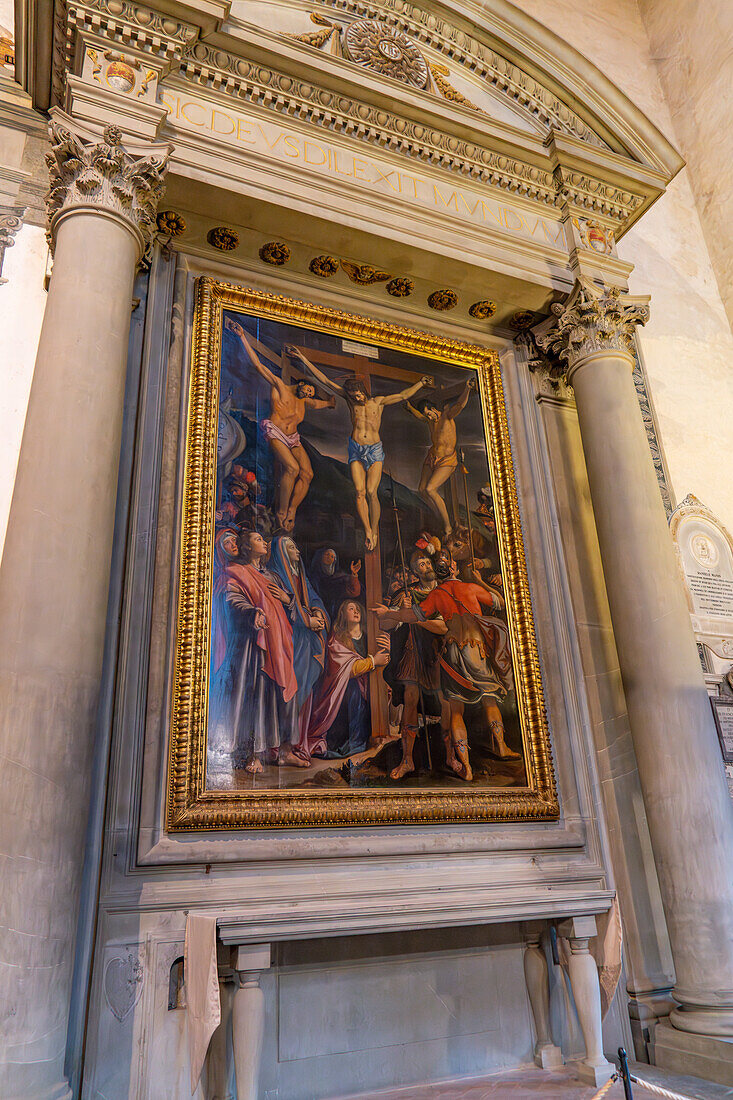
(271, 431)
(444, 462)
(366, 453)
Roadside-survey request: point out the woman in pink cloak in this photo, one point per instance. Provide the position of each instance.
(340, 723)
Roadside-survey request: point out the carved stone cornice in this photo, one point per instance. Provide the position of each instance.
(501, 74)
(595, 319)
(89, 173)
(11, 219)
(212, 67)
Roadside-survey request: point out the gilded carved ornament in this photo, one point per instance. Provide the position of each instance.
(317, 39)
(387, 51)
(324, 266)
(364, 274)
(226, 240)
(400, 287)
(594, 319)
(439, 74)
(170, 223)
(89, 172)
(482, 310)
(276, 253)
(443, 299)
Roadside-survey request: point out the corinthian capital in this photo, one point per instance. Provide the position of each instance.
(593, 319)
(11, 219)
(88, 173)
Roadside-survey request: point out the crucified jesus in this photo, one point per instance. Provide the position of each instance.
(287, 409)
(366, 452)
(441, 460)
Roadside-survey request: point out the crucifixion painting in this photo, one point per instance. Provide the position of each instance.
(359, 633)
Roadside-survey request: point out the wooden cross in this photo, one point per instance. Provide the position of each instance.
(365, 369)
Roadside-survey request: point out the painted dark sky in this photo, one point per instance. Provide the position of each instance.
(406, 440)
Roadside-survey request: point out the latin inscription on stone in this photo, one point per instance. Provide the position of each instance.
(707, 562)
(713, 595)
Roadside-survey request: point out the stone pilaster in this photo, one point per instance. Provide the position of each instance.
(54, 580)
(687, 804)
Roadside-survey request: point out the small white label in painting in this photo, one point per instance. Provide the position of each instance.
(360, 349)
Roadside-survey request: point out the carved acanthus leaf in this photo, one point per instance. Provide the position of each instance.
(439, 74)
(317, 39)
(11, 219)
(594, 319)
(89, 172)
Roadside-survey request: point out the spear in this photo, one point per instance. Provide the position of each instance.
(468, 510)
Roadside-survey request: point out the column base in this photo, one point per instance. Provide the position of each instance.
(548, 1057)
(703, 1056)
(717, 1022)
(597, 1074)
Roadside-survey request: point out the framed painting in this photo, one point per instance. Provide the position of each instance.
(355, 642)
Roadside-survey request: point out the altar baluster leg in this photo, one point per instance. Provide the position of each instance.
(248, 1018)
(583, 975)
(536, 975)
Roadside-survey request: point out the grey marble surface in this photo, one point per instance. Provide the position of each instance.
(561, 1084)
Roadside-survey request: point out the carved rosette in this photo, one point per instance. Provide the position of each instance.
(594, 319)
(103, 174)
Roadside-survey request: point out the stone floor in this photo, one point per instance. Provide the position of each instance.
(561, 1084)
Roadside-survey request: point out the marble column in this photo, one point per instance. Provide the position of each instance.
(53, 583)
(688, 807)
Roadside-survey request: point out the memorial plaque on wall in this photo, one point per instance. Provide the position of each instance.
(723, 714)
(705, 554)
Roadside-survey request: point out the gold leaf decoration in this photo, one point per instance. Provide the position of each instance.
(324, 266)
(443, 299)
(522, 319)
(364, 274)
(386, 50)
(400, 287)
(222, 238)
(483, 309)
(316, 39)
(275, 253)
(171, 223)
(439, 74)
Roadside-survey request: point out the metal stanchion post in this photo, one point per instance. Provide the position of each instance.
(625, 1076)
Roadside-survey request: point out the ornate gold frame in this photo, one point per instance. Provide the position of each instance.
(189, 805)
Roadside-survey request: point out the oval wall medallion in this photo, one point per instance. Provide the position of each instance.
(386, 50)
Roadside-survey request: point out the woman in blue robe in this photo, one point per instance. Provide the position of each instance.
(310, 630)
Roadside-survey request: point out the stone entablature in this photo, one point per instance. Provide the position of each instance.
(128, 55)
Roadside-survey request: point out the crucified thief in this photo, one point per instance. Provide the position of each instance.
(366, 452)
(442, 459)
(287, 409)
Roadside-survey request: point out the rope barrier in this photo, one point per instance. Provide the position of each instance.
(602, 1091)
(658, 1090)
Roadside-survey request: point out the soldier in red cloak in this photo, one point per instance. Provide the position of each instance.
(475, 663)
